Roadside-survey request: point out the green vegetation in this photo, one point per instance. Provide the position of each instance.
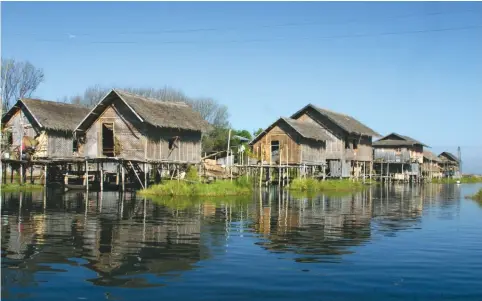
(313, 185)
(17, 187)
(477, 197)
(464, 179)
(240, 186)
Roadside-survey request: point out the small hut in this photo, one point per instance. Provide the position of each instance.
(128, 126)
(349, 151)
(288, 141)
(399, 157)
(44, 128)
(450, 165)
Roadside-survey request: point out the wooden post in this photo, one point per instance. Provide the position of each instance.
(371, 170)
(101, 171)
(145, 175)
(87, 176)
(45, 176)
(123, 177)
(388, 172)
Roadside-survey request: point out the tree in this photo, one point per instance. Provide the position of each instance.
(18, 79)
(257, 132)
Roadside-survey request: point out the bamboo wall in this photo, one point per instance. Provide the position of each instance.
(293, 148)
(337, 149)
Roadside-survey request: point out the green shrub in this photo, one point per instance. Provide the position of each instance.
(192, 174)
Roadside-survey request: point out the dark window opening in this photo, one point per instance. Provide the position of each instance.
(172, 142)
(108, 139)
(355, 144)
(10, 138)
(347, 143)
(274, 150)
(75, 145)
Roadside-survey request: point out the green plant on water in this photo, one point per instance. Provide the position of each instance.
(240, 186)
(463, 180)
(314, 185)
(477, 197)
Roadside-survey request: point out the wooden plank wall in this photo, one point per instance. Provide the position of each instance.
(335, 149)
(60, 145)
(290, 149)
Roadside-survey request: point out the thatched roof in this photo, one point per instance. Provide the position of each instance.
(431, 156)
(177, 115)
(50, 114)
(448, 156)
(395, 139)
(306, 130)
(345, 122)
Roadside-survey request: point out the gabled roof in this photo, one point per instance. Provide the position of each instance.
(177, 115)
(431, 156)
(449, 156)
(50, 114)
(346, 122)
(395, 139)
(306, 130)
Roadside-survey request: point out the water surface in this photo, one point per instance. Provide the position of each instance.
(397, 242)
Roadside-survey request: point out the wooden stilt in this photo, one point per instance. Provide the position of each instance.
(145, 175)
(87, 176)
(101, 178)
(45, 175)
(123, 178)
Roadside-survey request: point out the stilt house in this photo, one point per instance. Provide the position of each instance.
(398, 156)
(349, 151)
(288, 141)
(450, 164)
(131, 127)
(45, 126)
(431, 168)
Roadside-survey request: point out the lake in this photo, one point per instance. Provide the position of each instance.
(393, 242)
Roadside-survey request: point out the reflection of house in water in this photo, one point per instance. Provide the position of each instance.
(319, 226)
(148, 239)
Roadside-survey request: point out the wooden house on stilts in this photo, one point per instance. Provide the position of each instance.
(47, 126)
(291, 142)
(349, 151)
(450, 165)
(398, 157)
(141, 134)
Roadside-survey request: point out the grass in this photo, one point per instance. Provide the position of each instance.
(240, 186)
(464, 179)
(313, 185)
(17, 187)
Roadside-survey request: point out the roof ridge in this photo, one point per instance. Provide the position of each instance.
(55, 102)
(154, 100)
(331, 111)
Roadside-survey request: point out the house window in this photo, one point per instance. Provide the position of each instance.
(347, 143)
(355, 144)
(75, 146)
(274, 150)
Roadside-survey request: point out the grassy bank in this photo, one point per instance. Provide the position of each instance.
(477, 197)
(464, 180)
(241, 186)
(17, 187)
(313, 185)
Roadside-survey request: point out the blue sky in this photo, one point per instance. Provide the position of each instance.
(265, 60)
